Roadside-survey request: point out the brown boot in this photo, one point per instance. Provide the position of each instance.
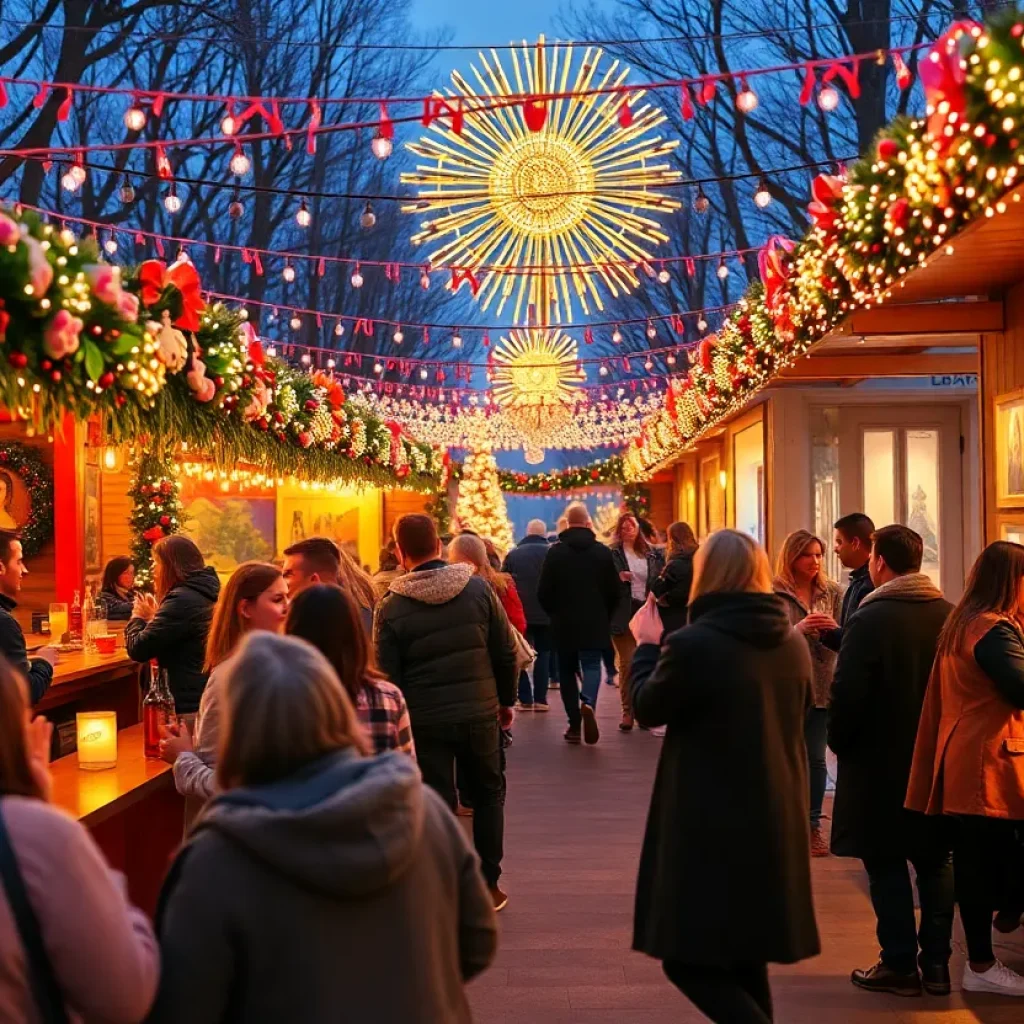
(819, 844)
(626, 725)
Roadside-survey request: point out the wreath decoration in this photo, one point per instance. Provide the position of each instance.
(38, 480)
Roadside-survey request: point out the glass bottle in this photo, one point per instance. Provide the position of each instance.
(157, 709)
(75, 619)
(95, 616)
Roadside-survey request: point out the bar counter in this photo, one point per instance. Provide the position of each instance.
(132, 810)
(92, 682)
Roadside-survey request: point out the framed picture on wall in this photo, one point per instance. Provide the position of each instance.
(1012, 529)
(1009, 449)
(92, 520)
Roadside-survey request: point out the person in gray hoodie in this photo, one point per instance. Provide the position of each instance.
(321, 885)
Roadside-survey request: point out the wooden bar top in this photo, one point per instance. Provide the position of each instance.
(95, 796)
(78, 664)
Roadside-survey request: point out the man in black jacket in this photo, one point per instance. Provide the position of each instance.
(524, 563)
(579, 589)
(884, 663)
(443, 638)
(38, 671)
(852, 544)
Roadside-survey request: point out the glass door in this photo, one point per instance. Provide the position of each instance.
(903, 465)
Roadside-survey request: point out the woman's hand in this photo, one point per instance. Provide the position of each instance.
(646, 626)
(38, 734)
(174, 740)
(816, 622)
(626, 577)
(144, 607)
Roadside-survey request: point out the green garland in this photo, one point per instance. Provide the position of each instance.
(38, 480)
(156, 510)
(76, 338)
(922, 182)
(603, 471)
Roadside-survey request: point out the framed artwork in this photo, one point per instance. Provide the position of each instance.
(228, 528)
(321, 516)
(1012, 529)
(92, 519)
(1009, 449)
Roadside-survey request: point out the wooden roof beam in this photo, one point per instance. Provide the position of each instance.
(946, 318)
(879, 364)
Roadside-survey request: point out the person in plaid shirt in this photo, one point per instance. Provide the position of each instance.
(328, 618)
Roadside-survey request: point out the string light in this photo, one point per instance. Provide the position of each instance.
(663, 275)
(424, 279)
(134, 118)
(423, 374)
(398, 337)
(228, 125)
(240, 164)
(302, 217)
(172, 201)
(381, 146)
(369, 218)
(339, 329)
(110, 245)
(356, 278)
(616, 337)
(288, 273)
(702, 325)
(331, 363)
(762, 197)
(652, 331)
(378, 368)
(77, 171)
(69, 182)
(235, 208)
(127, 192)
(723, 270)
(456, 339)
(746, 99)
(295, 323)
(828, 98)
(701, 203)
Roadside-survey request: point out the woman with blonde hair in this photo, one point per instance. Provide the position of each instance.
(255, 598)
(311, 838)
(172, 626)
(729, 807)
(813, 603)
(353, 579)
(471, 549)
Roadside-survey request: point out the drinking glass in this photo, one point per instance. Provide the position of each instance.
(58, 621)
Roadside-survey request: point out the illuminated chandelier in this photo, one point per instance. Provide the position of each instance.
(551, 191)
(534, 382)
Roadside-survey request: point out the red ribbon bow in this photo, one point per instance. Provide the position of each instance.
(774, 265)
(155, 276)
(943, 77)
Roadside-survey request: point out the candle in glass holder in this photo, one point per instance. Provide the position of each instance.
(97, 739)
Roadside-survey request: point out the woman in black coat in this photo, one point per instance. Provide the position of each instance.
(117, 594)
(172, 628)
(725, 875)
(672, 585)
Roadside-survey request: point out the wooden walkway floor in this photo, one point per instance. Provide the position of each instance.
(574, 824)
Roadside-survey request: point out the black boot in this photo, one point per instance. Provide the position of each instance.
(934, 977)
(884, 979)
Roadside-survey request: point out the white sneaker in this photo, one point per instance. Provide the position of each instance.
(998, 979)
(658, 731)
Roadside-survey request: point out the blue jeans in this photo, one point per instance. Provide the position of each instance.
(536, 691)
(816, 738)
(571, 664)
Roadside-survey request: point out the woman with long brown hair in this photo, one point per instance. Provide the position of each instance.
(328, 617)
(813, 603)
(353, 579)
(969, 756)
(309, 839)
(97, 957)
(172, 626)
(255, 598)
(117, 592)
(638, 565)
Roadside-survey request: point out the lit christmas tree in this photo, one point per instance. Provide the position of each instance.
(481, 505)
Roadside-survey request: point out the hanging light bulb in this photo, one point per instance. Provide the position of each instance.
(305, 359)
(603, 370)
(357, 278)
(302, 217)
(288, 273)
(457, 339)
(369, 218)
(762, 197)
(127, 193)
(228, 124)
(378, 368)
(702, 325)
(670, 359)
(398, 337)
(664, 276)
(295, 323)
(339, 329)
(271, 351)
(648, 365)
(701, 203)
(424, 279)
(235, 207)
(746, 100)
(331, 364)
(134, 118)
(381, 146)
(723, 270)
(652, 331)
(77, 171)
(69, 182)
(182, 256)
(616, 336)
(172, 201)
(423, 374)
(828, 98)
(240, 164)
(110, 245)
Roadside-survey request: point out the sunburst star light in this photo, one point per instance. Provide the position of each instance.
(562, 212)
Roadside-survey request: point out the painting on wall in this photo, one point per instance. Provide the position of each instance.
(228, 528)
(1009, 449)
(1012, 530)
(324, 516)
(92, 520)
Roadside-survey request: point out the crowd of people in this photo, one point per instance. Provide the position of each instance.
(330, 723)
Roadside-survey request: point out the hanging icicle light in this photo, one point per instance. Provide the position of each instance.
(127, 192)
(381, 146)
(762, 197)
(172, 201)
(289, 272)
(701, 203)
(828, 98)
(369, 218)
(302, 217)
(134, 118)
(240, 164)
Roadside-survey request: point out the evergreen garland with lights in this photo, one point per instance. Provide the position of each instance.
(156, 511)
(481, 505)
